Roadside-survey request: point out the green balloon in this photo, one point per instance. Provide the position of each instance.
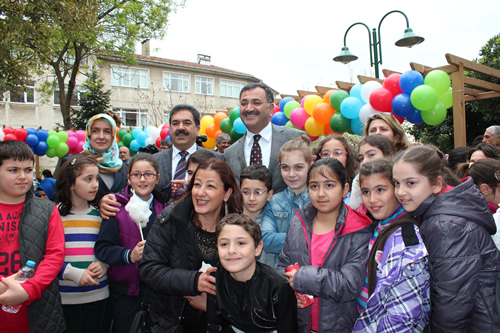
(289, 107)
(51, 152)
(424, 97)
(127, 139)
(53, 141)
(447, 98)
(226, 125)
(438, 80)
(339, 123)
(62, 149)
(234, 114)
(63, 136)
(120, 144)
(52, 132)
(434, 116)
(336, 99)
(289, 124)
(235, 136)
(121, 133)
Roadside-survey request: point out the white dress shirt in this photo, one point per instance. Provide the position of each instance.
(264, 143)
(176, 157)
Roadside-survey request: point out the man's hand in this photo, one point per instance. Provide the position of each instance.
(109, 206)
(198, 302)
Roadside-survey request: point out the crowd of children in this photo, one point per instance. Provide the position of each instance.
(386, 239)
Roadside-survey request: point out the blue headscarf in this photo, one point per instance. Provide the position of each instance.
(47, 185)
(108, 160)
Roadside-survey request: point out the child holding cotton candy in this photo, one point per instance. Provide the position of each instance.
(121, 239)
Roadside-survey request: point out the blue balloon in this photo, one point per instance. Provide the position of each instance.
(42, 147)
(284, 101)
(415, 117)
(279, 119)
(356, 91)
(136, 131)
(141, 138)
(239, 127)
(134, 145)
(401, 105)
(350, 107)
(31, 130)
(42, 135)
(410, 80)
(357, 126)
(32, 140)
(168, 137)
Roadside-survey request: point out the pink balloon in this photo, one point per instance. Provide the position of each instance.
(381, 99)
(298, 117)
(303, 100)
(313, 138)
(70, 133)
(79, 147)
(72, 142)
(80, 135)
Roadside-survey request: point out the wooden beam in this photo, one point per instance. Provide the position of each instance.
(472, 91)
(474, 66)
(424, 70)
(482, 84)
(364, 79)
(303, 93)
(346, 86)
(459, 128)
(388, 72)
(482, 95)
(324, 90)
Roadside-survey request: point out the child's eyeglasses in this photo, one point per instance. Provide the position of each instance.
(336, 153)
(138, 175)
(257, 193)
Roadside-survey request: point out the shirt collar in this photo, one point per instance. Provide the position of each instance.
(266, 133)
(176, 151)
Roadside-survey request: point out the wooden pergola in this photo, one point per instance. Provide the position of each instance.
(465, 89)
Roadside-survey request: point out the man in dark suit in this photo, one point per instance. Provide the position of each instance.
(256, 107)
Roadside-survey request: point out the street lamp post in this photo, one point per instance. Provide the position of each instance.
(409, 39)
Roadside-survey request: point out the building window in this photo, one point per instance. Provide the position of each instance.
(175, 82)
(204, 85)
(231, 88)
(23, 95)
(78, 94)
(129, 77)
(133, 117)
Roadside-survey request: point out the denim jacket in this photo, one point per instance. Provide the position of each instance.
(278, 213)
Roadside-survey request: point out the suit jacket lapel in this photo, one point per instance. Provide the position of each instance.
(241, 151)
(276, 142)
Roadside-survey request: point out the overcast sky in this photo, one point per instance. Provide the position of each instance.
(290, 44)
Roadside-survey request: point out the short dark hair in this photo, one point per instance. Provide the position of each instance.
(328, 167)
(381, 142)
(251, 86)
(47, 174)
(166, 142)
(257, 172)
(247, 223)
(488, 150)
(16, 150)
(457, 156)
(144, 157)
(483, 172)
(382, 166)
(186, 107)
(200, 156)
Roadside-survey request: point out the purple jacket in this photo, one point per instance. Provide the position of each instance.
(129, 237)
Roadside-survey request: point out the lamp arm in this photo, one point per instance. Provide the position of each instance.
(369, 38)
(380, 24)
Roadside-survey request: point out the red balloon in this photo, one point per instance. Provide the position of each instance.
(381, 100)
(399, 118)
(9, 136)
(157, 142)
(276, 109)
(391, 83)
(164, 133)
(166, 126)
(8, 130)
(21, 134)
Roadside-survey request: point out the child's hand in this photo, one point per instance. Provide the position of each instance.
(206, 283)
(87, 279)
(177, 185)
(108, 206)
(301, 302)
(15, 293)
(136, 254)
(198, 302)
(97, 269)
(290, 276)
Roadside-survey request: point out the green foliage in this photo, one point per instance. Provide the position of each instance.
(479, 115)
(45, 34)
(94, 101)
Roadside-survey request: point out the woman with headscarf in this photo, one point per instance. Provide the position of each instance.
(101, 144)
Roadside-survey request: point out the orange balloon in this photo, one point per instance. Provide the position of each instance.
(326, 98)
(219, 132)
(322, 113)
(328, 130)
(210, 130)
(312, 127)
(209, 144)
(218, 118)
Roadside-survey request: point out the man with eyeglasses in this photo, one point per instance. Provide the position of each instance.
(262, 141)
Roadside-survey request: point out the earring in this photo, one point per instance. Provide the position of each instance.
(225, 208)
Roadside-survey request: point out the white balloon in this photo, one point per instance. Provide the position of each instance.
(2, 134)
(150, 141)
(155, 133)
(365, 112)
(149, 129)
(367, 89)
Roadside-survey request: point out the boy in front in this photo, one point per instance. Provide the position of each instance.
(30, 229)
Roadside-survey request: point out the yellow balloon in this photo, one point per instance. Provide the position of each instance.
(310, 102)
(206, 120)
(209, 144)
(202, 131)
(313, 128)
